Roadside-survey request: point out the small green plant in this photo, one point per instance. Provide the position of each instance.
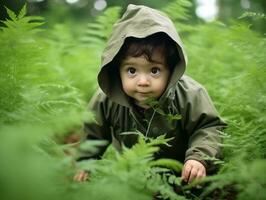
(48, 75)
(134, 169)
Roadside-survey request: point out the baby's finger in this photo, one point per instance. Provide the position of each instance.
(193, 174)
(85, 176)
(76, 177)
(186, 172)
(79, 176)
(201, 173)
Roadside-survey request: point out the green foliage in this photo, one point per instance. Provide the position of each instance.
(172, 164)
(253, 15)
(157, 108)
(178, 13)
(78, 57)
(47, 77)
(32, 88)
(177, 10)
(235, 80)
(134, 171)
(27, 172)
(98, 32)
(21, 22)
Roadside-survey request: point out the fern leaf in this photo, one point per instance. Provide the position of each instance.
(171, 117)
(160, 140)
(23, 23)
(253, 15)
(167, 163)
(178, 10)
(92, 145)
(22, 12)
(174, 180)
(98, 32)
(11, 14)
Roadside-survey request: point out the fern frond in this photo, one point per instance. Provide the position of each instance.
(98, 31)
(22, 12)
(167, 163)
(56, 98)
(135, 169)
(253, 15)
(178, 10)
(160, 140)
(11, 14)
(21, 22)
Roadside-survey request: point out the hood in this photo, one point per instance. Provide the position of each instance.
(138, 21)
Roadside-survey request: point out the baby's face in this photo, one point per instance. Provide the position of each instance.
(143, 79)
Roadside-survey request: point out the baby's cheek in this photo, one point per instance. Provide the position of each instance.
(128, 87)
(160, 87)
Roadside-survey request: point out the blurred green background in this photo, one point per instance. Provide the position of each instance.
(48, 69)
(81, 11)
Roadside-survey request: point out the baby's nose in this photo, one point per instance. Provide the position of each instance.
(143, 80)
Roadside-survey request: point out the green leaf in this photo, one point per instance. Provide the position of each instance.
(253, 15)
(174, 180)
(174, 117)
(151, 102)
(22, 12)
(130, 133)
(92, 146)
(11, 14)
(167, 163)
(160, 111)
(160, 140)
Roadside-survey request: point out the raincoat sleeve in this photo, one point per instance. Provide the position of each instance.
(98, 129)
(203, 125)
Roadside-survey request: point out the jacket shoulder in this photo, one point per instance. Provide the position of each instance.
(98, 97)
(100, 104)
(189, 84)
(193, 96)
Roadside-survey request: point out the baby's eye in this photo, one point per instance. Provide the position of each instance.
(131, 71)
(155, 71)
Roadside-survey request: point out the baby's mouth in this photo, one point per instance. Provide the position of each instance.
(143, 92)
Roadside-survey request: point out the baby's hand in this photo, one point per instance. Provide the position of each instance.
(193, 170)
(81, 176)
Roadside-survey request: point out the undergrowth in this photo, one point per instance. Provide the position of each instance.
(47, 77)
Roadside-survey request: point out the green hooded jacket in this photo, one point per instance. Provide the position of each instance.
(195, 136)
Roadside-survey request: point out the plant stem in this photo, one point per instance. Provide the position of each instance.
(149, 125)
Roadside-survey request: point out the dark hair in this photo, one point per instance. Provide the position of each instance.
(136, 47)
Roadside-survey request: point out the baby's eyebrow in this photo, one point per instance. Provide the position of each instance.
(134, 63)
(126, 66)
(128, 63)
(157, 62)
